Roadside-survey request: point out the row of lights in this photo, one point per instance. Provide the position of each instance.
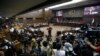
(64, 4)
(3, 17)
(60, 5)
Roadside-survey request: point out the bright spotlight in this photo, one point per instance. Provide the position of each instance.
(0, 16)
(64, 4)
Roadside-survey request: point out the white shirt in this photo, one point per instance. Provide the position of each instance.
(68, 47)
(31, 29)
(59, 52)
(19, 31)
(12, 29)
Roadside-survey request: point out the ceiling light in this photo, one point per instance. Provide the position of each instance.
(7, 18)
(64, 4)
(0, 17)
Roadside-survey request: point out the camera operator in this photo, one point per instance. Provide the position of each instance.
(96, 48)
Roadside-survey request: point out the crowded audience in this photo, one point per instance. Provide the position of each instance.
(29, 41)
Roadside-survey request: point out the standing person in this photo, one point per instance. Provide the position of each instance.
(69, 46)
(59, 51)
(46, 49)
(95, 48)
(49, 31)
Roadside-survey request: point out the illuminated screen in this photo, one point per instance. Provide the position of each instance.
(93, 10)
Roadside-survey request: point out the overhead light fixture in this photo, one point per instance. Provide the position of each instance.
(0, 16)
(7, 18)
(64, 4)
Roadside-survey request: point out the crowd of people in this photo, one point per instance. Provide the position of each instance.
(29, 41)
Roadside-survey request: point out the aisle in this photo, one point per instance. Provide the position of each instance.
(54, 30)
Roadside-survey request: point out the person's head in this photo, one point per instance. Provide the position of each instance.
(71, 38)
(45, 43)
(63, 42)
(57, 40)
(58, 46)
(54, 45)
(98, 25)
(1, 40)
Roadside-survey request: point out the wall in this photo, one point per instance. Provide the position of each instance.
(38, 16)
(77, 12)
(33, 14)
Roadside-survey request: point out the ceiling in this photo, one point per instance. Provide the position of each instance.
(80, 4)
(10, 8)
(83, 3)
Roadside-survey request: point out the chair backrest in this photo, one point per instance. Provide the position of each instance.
(43, 53)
